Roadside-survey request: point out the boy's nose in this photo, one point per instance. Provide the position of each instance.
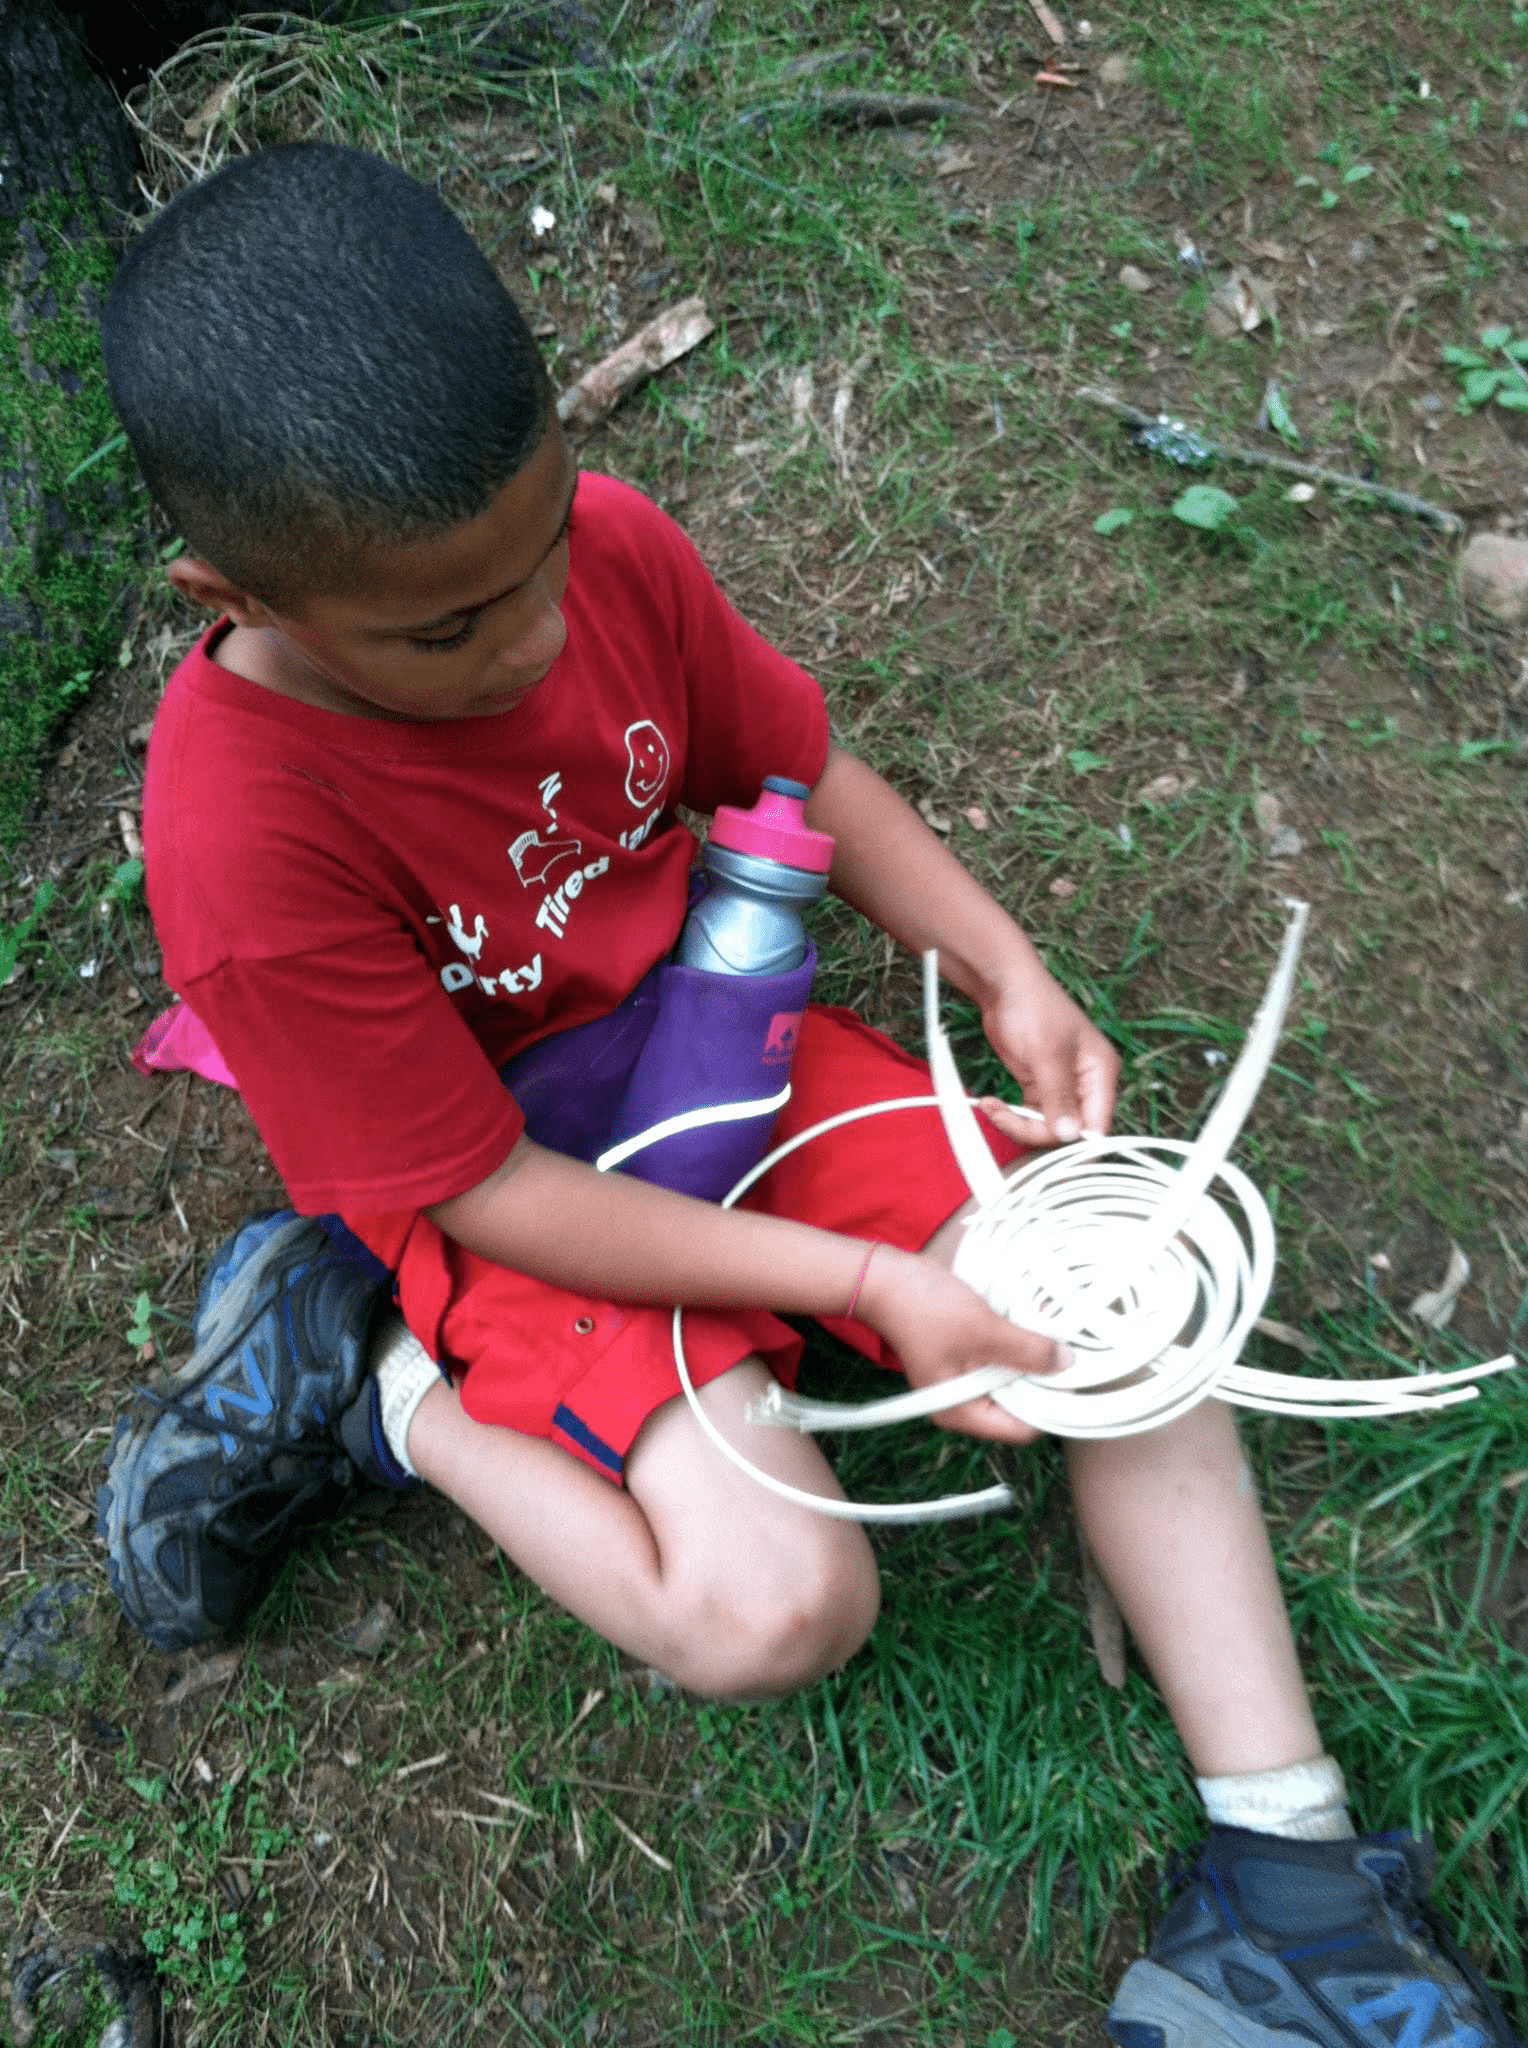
(539, 645)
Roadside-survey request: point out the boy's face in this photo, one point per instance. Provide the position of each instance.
(461, 625)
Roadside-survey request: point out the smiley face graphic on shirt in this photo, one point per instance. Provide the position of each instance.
(647, 763)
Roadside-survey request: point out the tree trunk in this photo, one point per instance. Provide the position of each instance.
(68, 542)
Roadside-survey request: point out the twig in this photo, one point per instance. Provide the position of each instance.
(1106, 1625)
(1257, 458)
(852, 109)
(1048, 22)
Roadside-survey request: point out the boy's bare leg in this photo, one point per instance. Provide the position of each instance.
(1173, 1522)
(692, 1566)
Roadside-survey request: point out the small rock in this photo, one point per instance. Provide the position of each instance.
(1063, 888)
(975, 817)
(369, 1636)
(1285, 843)
(1116, 71)
(40, 1642)
(1493, 574)
(1134, 279)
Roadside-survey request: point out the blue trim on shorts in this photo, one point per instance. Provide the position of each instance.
(571, 1426)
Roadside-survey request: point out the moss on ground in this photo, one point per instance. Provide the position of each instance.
(71, 542)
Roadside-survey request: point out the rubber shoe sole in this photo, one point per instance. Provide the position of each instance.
(210, 1475)
(1155, 2009)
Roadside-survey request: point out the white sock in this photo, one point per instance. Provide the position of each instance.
(1302, 1802)
(405, 1373)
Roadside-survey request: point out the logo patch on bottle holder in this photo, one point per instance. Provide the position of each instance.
(780, 1044)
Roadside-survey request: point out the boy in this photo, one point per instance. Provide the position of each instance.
(409, 810)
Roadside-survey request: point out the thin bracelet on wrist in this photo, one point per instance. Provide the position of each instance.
(860, 1282)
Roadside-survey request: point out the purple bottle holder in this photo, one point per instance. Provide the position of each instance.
(684, 1040)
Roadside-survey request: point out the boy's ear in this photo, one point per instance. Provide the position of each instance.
(211, 589)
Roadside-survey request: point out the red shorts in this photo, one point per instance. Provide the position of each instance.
(587, 1373)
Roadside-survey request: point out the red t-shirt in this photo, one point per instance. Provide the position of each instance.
(372, 917)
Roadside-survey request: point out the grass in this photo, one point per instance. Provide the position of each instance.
(492, 1827)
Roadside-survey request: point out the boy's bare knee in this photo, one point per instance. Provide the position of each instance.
(771, 1634)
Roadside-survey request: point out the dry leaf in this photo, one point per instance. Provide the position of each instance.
(1134, 279)
(199, 122)
(1048, 22)
(1436, 1307)
(1105, 1624)
(932, 818)
(1238, 306)
(1163, 788)
(203, 1676)
(1268, 811)
(132, 838)
(1286, 1333)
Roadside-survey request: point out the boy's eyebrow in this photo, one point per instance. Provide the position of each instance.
(470, 611)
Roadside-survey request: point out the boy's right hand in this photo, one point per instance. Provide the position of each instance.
(940, 1328)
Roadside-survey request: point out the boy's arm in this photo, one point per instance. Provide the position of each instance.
(613, 1237)
(890, 867)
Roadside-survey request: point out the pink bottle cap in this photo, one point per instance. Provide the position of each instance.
(775, 829)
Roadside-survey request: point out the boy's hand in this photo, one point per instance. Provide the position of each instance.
(941, 1328)
(1068, 1069)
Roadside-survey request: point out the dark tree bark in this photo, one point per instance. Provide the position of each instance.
(67, 165)
(59, 123)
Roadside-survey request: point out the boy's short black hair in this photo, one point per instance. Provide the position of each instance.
(310, 354)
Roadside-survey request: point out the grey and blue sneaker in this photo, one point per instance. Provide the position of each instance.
(1277, 1944)
(210, 1474)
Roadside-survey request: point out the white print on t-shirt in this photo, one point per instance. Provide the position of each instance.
(648, 762)
(555, 905)
(514, 981)
(633, 839)
(535, 857)
(472, 947)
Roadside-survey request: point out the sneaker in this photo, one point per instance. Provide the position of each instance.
(211, 1473)
(1271, 1943)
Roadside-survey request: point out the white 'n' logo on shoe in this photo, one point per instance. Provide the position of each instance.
(1419, 2004)
(256, 1404)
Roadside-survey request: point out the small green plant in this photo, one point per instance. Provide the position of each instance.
(1209, 508)
(126, 885)
(12, 941)
(166, 1874)
(140, 1331)
(1483, 381)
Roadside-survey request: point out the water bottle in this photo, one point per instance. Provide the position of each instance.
(762, 869)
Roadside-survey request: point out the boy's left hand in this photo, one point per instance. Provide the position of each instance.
(1067, 1068)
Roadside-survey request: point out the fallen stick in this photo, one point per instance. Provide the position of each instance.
(652, 348)
(1048, 22)
(852, 109)
(1310, 472)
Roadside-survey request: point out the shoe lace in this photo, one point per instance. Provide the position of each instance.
(323, 1471)
(1401, 1895)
